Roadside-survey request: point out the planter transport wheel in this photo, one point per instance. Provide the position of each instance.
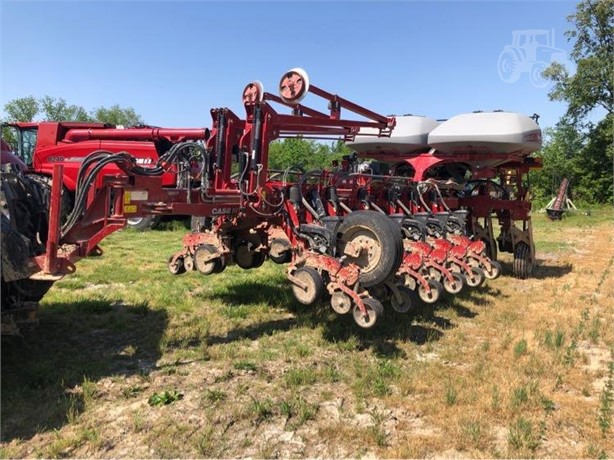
(374, 243)
(375, 310)
(314, 286)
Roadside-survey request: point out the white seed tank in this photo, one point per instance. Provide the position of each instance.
(487, 133)
(410, 135)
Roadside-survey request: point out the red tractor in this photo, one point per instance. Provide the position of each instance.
(42, 145)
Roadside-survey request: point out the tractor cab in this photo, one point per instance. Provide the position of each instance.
(21, 138)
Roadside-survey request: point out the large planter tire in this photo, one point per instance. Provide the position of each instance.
(381, 243)
(523, 263)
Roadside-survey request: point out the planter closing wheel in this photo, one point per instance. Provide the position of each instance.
(314, 286)
(476, 279)
(494, 272)
(523, 263)
(375, 310)
(455, 285)
(374, 243)
(432, 294)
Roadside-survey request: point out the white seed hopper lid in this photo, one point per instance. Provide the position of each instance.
(408, 136)
(487, 132)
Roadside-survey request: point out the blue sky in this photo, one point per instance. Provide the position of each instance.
(173, 61)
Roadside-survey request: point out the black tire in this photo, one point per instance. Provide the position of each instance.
(385, 240)
(207, 267)
(143, 224)
(476, 279)
(456, 286)
(523, 264)
(433, 295)
(408, 300)
(67, 197)
(375, 311)
(494, 272)
(177, 267)
(315, 286)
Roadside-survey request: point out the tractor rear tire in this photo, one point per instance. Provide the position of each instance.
(523, 264)
(381, 236)
(143, 224)
(67, 198)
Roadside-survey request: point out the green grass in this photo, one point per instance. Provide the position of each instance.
(508, 358)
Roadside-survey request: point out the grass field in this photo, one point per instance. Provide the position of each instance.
(130, 361)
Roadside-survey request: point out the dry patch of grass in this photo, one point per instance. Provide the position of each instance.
(513, 369)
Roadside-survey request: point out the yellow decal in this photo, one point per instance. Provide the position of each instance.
(129, 209)
(126, 197)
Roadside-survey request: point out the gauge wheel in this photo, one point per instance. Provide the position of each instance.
(203, 263)
(314, 286)
(341, 302)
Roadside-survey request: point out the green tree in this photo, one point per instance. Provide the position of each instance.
(116, 115)
(22, 109)
(592, 85)
(57, 109)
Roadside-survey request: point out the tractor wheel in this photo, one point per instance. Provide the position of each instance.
(375, 310)
(67, 198)
(433, 294)
(341, 303)
(315, 286)
(177, 267)
(379, 242)
(536, 77)
(30, 290)
(495, 270)
(204, 266)
(407, 301)
(523, 264)
(508, 66)
(476, 279)
(454, 286)
(143, 224)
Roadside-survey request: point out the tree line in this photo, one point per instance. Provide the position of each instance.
(578, 148)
